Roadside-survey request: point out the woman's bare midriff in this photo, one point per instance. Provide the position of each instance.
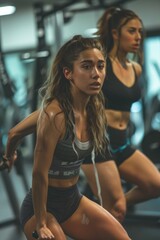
(117, 119)
(64, 183)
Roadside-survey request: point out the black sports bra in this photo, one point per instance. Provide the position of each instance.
(117, 95)
(68, 157)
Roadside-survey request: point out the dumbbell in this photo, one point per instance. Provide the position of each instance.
(3, 164)
(35, 234)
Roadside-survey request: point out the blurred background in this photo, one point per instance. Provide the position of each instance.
(30, 35)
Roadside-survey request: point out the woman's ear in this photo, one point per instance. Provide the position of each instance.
(67, 73)
(115, 34)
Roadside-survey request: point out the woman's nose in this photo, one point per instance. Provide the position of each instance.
(95, 72)
(138, 35)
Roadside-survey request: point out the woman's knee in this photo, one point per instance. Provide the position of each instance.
(29, 227)
(52, 224)
(119, 210)
(154, 189)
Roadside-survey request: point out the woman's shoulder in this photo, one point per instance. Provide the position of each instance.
(53, 113)
(53, 108)
(137, 67)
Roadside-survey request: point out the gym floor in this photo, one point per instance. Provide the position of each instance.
(142, 222)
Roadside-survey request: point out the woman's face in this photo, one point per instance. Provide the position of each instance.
(130, 36)
(88, 72)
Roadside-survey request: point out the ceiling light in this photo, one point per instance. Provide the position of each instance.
(7, 10)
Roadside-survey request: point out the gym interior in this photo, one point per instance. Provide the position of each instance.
(29, 38)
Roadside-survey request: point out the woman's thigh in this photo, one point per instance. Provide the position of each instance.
(91, 222)
(110, 182)
(148, 174)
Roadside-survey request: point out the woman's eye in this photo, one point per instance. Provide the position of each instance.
(90, 66)
(131, 31)
(101, 66)
(141, 32)
(86, 66)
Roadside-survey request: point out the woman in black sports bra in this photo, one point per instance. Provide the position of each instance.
(121, 89)
(121, 32)
(68, 129)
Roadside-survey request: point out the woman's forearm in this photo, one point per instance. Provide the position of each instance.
(39, 193)
(22, 129)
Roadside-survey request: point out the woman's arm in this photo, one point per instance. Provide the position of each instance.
(49, 131)
(22, 129)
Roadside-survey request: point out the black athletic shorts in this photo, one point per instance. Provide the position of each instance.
(99, 158)
(120, 146)
(61, 202)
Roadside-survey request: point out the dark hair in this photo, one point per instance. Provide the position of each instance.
(58, 87)
(116, 18)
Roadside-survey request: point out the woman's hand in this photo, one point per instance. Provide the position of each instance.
(3, 164)
(7, 162)
(44, 233)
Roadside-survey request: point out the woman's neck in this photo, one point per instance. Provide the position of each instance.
(122, 61)
(119, 56)
(80, 102)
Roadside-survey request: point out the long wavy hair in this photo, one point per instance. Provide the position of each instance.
(57, 87)
(116, 18)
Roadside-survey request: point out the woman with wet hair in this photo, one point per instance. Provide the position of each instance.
(68, 129)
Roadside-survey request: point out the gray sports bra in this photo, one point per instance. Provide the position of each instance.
(68, 157)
